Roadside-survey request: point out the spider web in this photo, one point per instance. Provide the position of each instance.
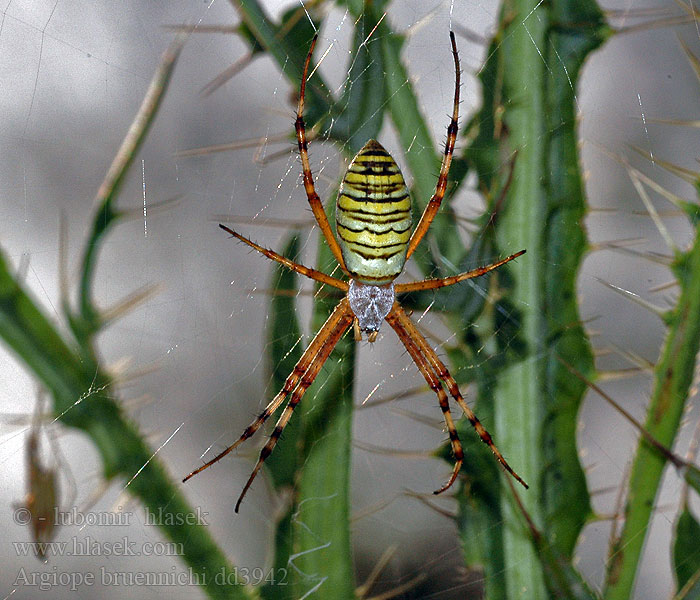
(73, 75)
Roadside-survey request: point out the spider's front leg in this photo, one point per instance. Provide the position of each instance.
(309, 188)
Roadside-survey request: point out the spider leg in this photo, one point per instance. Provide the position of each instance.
(397, 316)
(330, 339)
(311, 354)
(314, 200)
(434, 205)
(435, 385)
(290, 264)
(431, 284)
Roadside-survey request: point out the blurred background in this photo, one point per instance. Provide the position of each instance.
(72, 77)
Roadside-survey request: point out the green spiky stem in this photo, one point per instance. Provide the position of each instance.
(537, 56)
(673, 376)
(82, 392)
(82, 395)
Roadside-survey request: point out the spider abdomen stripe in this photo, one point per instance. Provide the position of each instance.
(373, 216)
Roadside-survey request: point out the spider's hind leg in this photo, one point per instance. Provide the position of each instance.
(324, 342)
(433, 206)
(416, 344)
(300, 378)
(434, 383)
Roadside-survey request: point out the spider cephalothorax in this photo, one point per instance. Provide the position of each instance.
(373, 222)
(370, 305)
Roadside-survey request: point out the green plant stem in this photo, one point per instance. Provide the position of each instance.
(518, 417)
(538, 56)
(82, 391)
(82, 398)
(105, 213)
(672, 380)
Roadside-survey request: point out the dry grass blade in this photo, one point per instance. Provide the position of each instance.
(104, 212)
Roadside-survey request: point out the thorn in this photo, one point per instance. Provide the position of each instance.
(694, 62)
(185, 28)
(137, 213)
(601, 352)
(685, 174)
(616, 374)
(603, 490)
(658, 24)
(641, 191)
(418, 418)
(663, 286)
(254, 142)
(623, 243)
(392, 451)
(131, 302)
(602, 209)
(372, 509)
(409, 393)
(137, 402)
(677, 201)
(654, 257)
(682, 122)
(427, 501)
(285, 224)
(301, 293)
(691, 10)
(362, 590)
(227, 74)
(668, 214)
(635, 298)
(635, 359)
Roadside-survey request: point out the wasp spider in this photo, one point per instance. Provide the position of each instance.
(373, 223)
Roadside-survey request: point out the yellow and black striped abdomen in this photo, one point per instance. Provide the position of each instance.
(373, 216)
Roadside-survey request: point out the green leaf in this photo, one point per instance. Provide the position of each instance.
(362, 104)
(323, 554)
(686, 555)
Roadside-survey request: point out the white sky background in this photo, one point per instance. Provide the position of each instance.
(72, 75)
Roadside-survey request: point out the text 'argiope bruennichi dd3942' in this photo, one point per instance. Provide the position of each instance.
(373, 223)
